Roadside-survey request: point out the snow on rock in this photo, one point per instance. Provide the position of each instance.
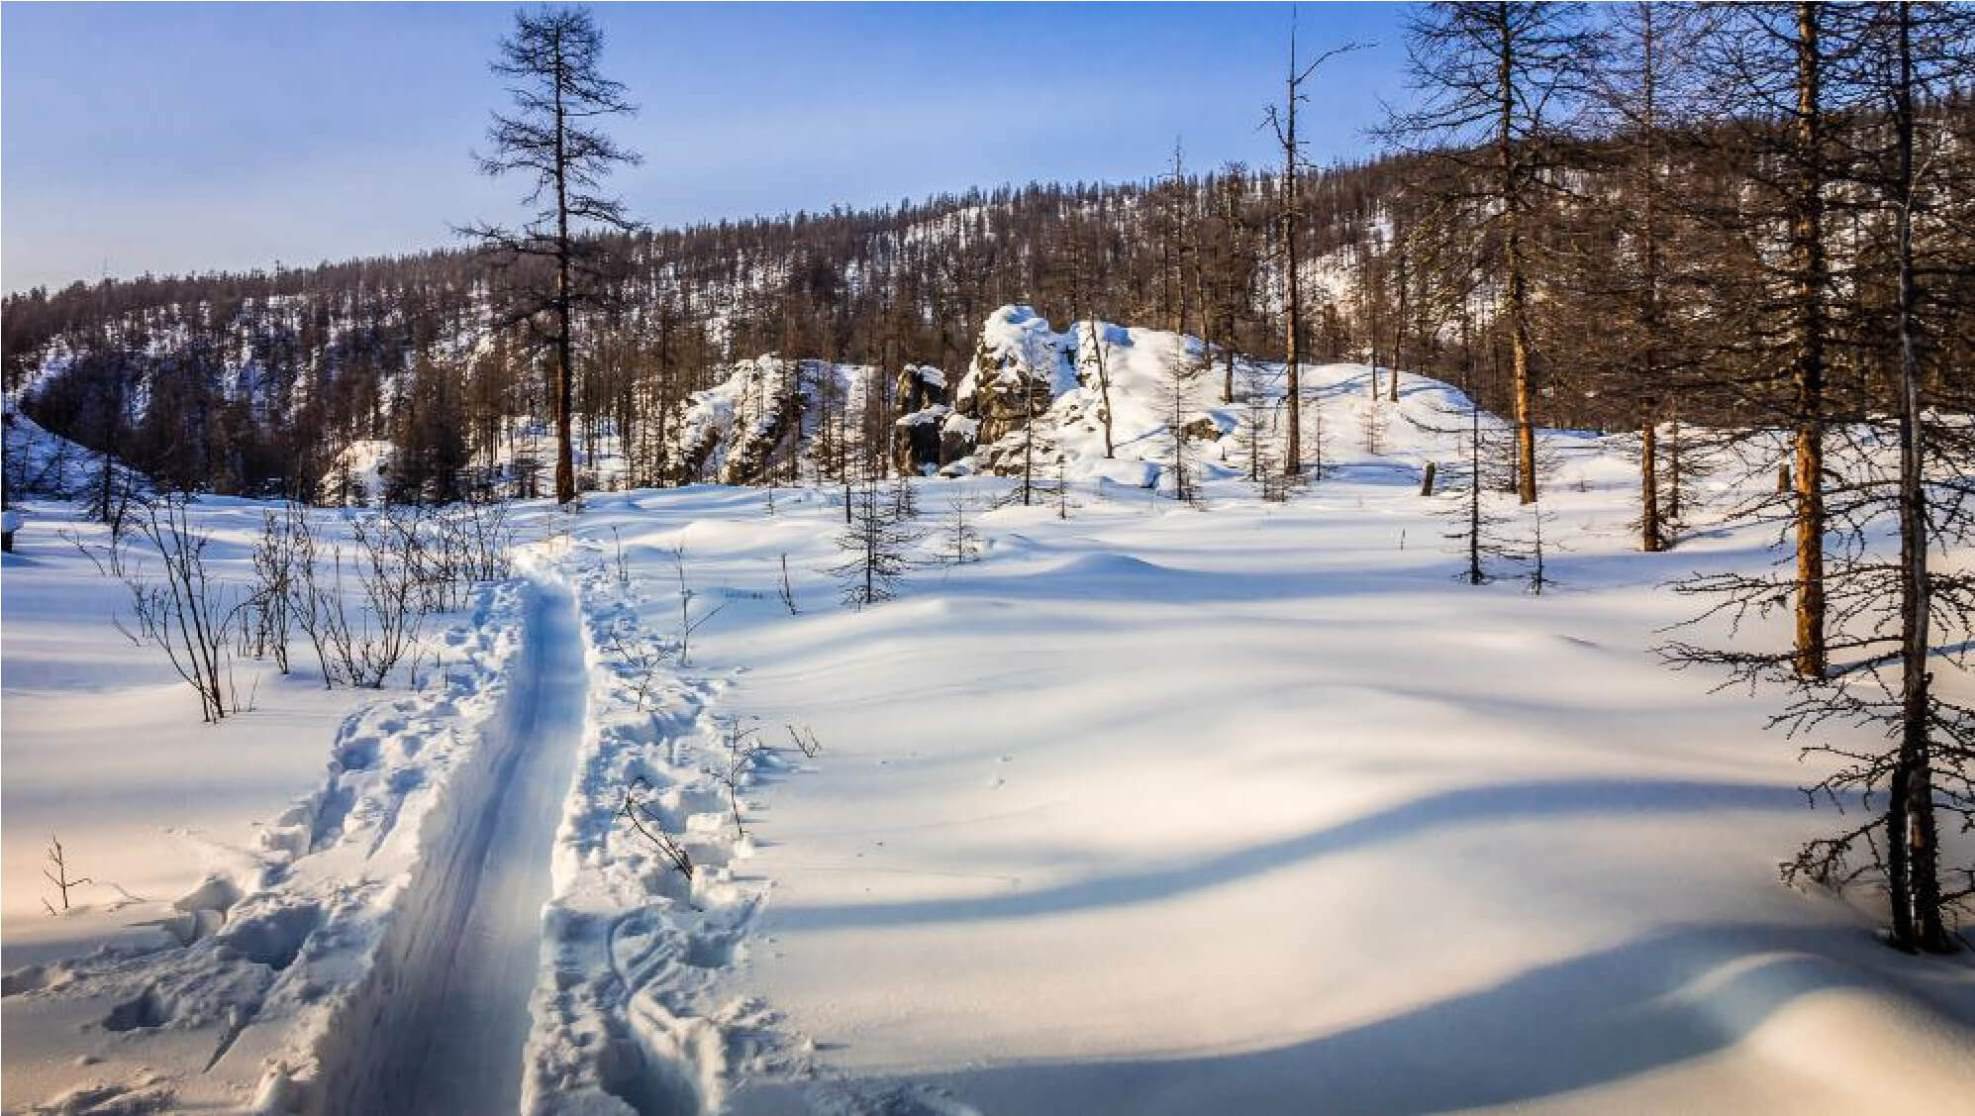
(1019, 366)
(767, 411)
(361, 473)
(1063, 385)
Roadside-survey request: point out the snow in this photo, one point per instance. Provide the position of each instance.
(627, 1011)
(243, 898)
(482, 1006)
(1153, 809)
(40, 463)
(367, 464)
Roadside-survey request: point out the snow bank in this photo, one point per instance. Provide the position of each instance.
(280, 974)
(631, 1013)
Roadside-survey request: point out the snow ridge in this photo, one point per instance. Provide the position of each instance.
(628, 1013)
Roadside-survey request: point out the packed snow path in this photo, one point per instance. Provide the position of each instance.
(462, 1052)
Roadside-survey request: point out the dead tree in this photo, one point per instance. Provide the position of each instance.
(1282, 120)
(1092, 355)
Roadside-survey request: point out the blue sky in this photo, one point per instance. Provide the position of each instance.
(175, 137)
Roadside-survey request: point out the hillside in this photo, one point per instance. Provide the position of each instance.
(262, 382)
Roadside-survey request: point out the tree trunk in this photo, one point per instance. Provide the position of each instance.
(1914, 868)
(1674, 480)
(1399, 319)
(1807, 250)
(1518, 295)
(1651, 538)
(1293, 297)
(565, 465)
(1649, 488)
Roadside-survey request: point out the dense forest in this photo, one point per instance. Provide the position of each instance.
(1603, 225)
(294, 364)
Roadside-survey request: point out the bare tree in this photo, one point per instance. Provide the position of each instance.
(1641, 91)
(1183, 369)
(1282, 119)
(959, 541)
(1258, 418)
(1891, 616)
(1091, 354)
(1496, 80)
(1771, 71)
(552, 56)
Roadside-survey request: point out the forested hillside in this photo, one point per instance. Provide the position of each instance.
(1620, 246)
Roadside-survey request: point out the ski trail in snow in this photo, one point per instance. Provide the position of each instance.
(466, 1050)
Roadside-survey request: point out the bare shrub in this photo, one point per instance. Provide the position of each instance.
(58, 874)
(641, 659)
(786, 591)
(651, 826)
(741, 746)
(273, 600)
(393, 590)
(805, 741)
(185, 615)
(688, 623)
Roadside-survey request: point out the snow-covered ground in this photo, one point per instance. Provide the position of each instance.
(1151, 809)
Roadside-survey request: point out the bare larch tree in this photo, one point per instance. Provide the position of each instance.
(1497, 80)
(550, 139)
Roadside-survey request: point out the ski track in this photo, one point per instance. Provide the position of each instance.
(462, 1051)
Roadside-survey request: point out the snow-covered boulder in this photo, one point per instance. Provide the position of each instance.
(1019, 369)
(919, 386)
(918, 441)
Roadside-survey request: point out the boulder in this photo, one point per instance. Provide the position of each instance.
(919, 442)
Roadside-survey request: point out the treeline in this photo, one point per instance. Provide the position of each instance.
(1602, 220)
(254, 383)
